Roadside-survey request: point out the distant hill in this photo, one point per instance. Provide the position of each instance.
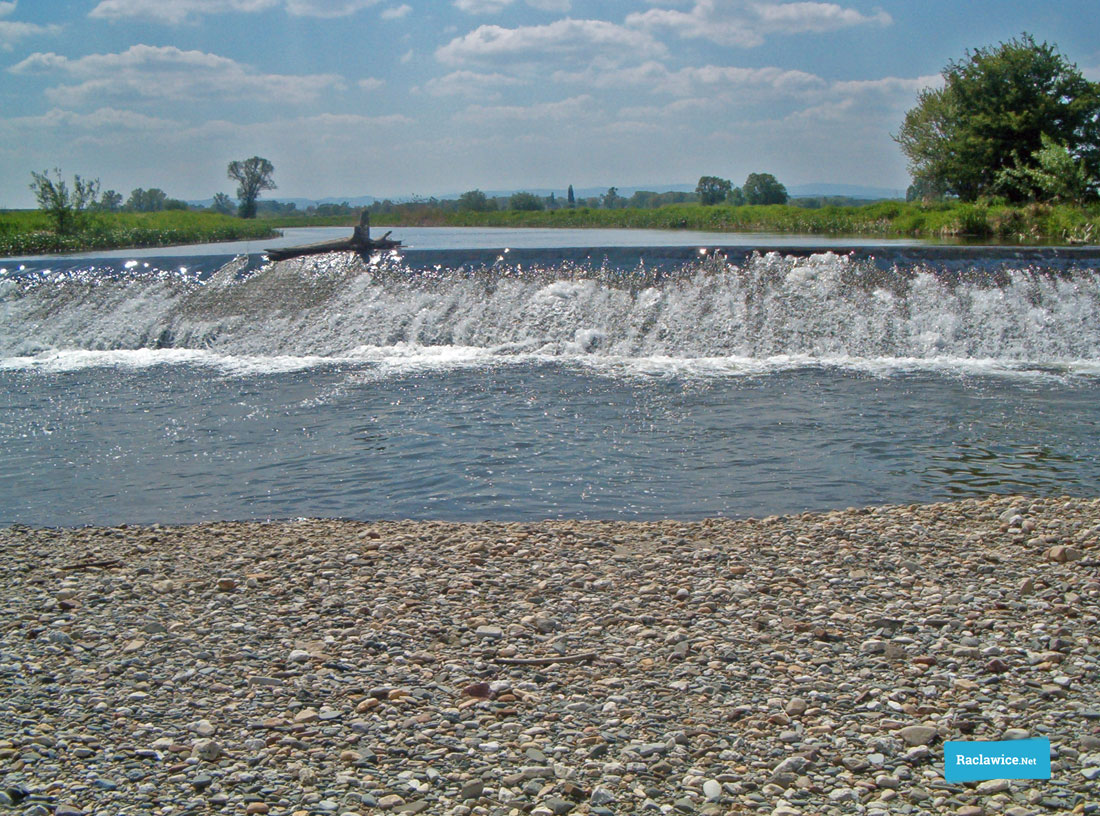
(302, 203)
(848, 190)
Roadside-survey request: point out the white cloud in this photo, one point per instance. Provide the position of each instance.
(656, 77)
(746, 23)
(564, 110)
(568, 38)
(176, 11)
(470, 84)
(890, 85)
(179, 11)
(13, 30)
(482, 6)
(102, 120)
(168, 73)
(497, 6)
(396, 12)
(370, 84)
(326, 8)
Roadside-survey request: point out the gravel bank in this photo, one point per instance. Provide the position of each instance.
(804, 664)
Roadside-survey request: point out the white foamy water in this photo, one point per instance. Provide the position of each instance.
(541, 383)
(711, 317)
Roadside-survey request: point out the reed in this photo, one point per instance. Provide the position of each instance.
(26, 232)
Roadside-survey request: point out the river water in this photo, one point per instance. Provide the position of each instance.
(527, 374)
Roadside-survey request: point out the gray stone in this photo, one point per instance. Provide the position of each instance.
(918, 734)
(472, 790)
(601, 796)
(712, 790)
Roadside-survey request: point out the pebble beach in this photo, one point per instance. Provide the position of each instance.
(809, 664)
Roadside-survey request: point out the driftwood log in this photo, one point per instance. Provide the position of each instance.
(360, 241)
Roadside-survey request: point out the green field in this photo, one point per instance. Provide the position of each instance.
(27, 232)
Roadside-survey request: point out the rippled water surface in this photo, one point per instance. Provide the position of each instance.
(466, 384)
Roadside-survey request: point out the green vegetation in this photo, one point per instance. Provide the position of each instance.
(1017, 121)
(31, 232)
(64, 208)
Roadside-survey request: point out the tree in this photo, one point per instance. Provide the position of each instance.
(611, 199)
(110, 201)
(571, 200)
(222, 204)
(475, 201)
(712, 190)
(253, 176)
(763, 188)
(525, 201)
(991, 115)
(1053, 175)
(736, 197)
(65, 207)
(151, 200)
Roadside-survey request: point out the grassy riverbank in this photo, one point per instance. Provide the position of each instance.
(1037, 223)
(27, 232)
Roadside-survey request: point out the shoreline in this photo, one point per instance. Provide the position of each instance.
(798, 664)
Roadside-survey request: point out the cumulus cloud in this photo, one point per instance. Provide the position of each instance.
(102, 120)
(14, 30)
(178, 11)
(482, 6)
(746, 23)
(470, 84)
(656, 77)
(562, 39)
(496, 6)
(564, 110)
(326, 8)
(396, 12)
(166, 72)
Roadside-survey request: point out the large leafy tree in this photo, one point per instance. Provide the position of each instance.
(476, 201)
(252, 176)
(712, 190)
(763, 188)
(983, 130)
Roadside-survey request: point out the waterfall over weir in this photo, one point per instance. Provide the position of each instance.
(627, 382)
(825, 308)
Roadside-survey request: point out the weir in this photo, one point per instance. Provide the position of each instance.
(957, 303)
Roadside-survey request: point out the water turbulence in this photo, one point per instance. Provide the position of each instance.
(762, 310)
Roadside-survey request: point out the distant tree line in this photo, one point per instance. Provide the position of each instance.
(759, 188)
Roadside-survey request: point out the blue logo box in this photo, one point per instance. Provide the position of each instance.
(1006, 759)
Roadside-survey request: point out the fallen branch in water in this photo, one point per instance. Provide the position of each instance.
(545, 661)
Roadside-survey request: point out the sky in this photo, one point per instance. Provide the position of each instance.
(400, 98)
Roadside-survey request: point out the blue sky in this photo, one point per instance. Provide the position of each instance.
(402, 97)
